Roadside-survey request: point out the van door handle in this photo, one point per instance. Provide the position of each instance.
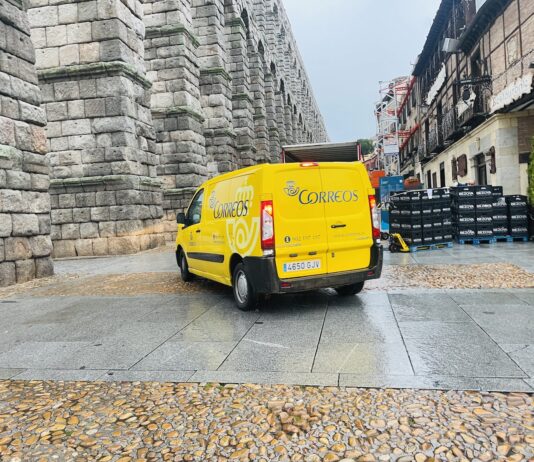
(338, 226)
(197, 231)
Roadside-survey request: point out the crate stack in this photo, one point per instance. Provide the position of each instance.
(464, 213)
(500, 214)
(517, 209)
(484, 213)
(405, 217)
(436, 211)
(422, 217)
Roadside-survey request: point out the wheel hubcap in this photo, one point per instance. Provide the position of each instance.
(241, 287)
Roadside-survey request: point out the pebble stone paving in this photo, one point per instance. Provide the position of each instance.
(86, 421)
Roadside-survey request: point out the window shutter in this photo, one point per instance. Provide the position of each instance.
(493, 163)
(462, 165)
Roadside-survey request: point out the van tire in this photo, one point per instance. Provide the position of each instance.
(245, 296)
(184, 268)
(353, 289)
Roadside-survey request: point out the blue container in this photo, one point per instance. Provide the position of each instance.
(388, 185)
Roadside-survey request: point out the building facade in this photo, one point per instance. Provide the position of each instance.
(389, 130)
(469, 115)
(141, 101)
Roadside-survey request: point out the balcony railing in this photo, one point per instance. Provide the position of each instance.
(434, 143)
(450, 125)
(474, 104)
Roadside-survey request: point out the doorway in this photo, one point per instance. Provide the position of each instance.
(482, 171)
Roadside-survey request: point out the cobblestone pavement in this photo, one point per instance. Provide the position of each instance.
(84, 421)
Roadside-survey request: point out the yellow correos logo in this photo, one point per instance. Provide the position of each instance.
(291, 189)
(307, 197)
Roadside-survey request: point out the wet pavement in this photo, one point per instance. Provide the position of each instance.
(418, 338)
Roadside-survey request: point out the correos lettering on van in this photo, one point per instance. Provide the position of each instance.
(235, 209)
(307, 197)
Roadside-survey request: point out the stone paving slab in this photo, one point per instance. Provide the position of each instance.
(60, 375)
(147, 376)
(472, 339)
(8, 373)
(268, 378)
(434, 383)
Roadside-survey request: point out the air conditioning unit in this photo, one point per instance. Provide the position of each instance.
(451, 45)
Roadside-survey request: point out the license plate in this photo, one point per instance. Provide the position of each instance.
(302, 266)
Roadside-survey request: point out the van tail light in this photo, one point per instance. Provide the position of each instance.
(375, 218)
(267, 227)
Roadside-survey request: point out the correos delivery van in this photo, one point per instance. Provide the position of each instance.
(273, 229)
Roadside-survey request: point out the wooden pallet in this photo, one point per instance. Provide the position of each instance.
(511, 238)
(441, 245)
(477, 241)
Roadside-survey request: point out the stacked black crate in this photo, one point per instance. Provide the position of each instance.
(464, 212)
(446, 215)
(484, 212)
(405, 217)
(500, 213)
(428, 221)
(517, 216)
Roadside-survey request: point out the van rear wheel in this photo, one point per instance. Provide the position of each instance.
(353, 289)
(245, 297)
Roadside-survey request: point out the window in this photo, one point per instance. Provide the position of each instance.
(434, 180)
(194, 213)
(429, 179)
(442, 175)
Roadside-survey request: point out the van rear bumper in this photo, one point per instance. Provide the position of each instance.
(262, 273)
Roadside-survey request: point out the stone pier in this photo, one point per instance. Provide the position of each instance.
(25, 244)
(140, 101)
(105, 194)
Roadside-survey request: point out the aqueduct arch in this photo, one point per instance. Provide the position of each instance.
(141, 102)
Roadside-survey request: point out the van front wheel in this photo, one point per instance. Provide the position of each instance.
(353, 289)
(184, 268)
(244, 294)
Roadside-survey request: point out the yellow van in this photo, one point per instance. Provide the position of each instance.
(272, 229)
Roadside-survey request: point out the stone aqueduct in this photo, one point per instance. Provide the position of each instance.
(113, 111)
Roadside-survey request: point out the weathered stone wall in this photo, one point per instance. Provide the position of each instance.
(229, 89)
(25, 244)
(145, 100)
(105, 195)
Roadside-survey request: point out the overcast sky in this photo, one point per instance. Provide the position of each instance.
(348, 46)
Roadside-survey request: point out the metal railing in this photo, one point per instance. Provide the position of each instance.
(474, 102)
(434, 143)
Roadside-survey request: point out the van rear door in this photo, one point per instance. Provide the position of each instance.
(299, 221)
(348, 217)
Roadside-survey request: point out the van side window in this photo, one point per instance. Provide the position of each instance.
(194, 214)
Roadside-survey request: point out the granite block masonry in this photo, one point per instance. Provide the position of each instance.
(145, 100)
(25, 244)
(105, 194)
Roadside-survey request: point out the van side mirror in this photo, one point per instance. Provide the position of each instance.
(180, 218)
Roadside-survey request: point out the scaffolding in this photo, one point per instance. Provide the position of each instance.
(389, 133)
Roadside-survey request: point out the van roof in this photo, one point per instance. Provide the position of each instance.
(321, 152)
(255, 168)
